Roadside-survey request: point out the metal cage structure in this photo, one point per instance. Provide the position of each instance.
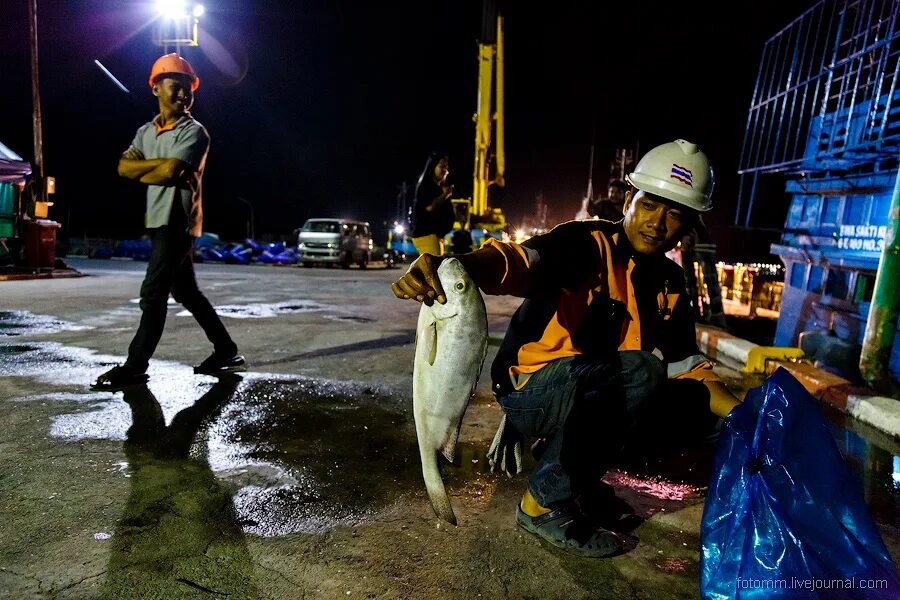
(826, 103)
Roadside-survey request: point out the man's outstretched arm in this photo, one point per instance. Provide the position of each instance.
(485, 266)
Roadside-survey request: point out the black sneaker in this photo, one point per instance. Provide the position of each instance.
(216, 363)
(119, 378)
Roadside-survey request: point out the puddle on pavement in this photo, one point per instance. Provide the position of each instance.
(875, 459)
(21, 322)
(265, 310)
(303, 456)
(299, 455)
(347, 455)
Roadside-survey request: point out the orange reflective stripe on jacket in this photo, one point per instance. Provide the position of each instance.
(587, 293)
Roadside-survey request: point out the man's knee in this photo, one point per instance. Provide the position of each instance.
(186, 294)
(153, 297)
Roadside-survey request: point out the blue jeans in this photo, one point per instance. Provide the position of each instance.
(586, 410)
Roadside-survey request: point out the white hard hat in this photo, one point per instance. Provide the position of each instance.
(678, 171)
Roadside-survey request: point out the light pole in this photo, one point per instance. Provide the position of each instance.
(36, 101)
(250, 231)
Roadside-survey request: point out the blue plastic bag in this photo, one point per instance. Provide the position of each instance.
(784, 516)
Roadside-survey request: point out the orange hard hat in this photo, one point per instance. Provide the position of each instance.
(172, 63)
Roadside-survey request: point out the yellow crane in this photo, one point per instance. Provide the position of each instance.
(489, 120)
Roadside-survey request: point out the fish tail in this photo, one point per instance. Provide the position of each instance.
(440, 501)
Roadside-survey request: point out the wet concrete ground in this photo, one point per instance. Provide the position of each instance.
(299, 478)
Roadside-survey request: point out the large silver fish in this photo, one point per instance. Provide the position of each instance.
(451, 340)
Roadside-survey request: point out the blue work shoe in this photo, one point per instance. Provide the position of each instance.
(218, 363)
(567, 529)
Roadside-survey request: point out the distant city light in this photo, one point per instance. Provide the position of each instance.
(171, 8)
(771, 269)
(199, 10)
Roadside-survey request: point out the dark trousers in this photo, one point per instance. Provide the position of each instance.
(171, 270)
(589, 411)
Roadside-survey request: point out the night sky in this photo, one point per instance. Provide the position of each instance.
(323, 108)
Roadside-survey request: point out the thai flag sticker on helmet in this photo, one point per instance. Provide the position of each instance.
(681, 174)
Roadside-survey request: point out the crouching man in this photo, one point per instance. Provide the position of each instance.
(579, 366)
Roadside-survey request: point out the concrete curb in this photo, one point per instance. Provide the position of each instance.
(749, 357)
(856, 401)
(722, 346)
(876, 409)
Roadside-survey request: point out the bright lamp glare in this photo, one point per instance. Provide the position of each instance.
(170, 8)
(399, 229)
(199, 10)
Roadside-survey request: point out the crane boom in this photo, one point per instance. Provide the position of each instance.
(489, 109)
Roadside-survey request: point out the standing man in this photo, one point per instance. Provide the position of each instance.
(169, 154)
(577, 367)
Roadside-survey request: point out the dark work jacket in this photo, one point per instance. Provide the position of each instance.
(588, 294)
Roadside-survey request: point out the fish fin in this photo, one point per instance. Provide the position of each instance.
(448, 448)
(429, 340)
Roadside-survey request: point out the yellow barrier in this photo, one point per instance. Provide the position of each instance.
(757, 357)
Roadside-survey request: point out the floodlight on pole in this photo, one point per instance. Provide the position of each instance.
(172, 9)
(177, 24)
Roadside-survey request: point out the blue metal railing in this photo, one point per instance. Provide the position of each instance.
(826, 96)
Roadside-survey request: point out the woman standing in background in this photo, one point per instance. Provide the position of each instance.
(432, 215)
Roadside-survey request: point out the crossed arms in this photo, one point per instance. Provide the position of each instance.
(155, 171)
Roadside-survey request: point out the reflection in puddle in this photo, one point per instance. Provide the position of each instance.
(262, 311)
(178, 527)
(876, 469)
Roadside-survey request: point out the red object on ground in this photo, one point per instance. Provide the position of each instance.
(40, 243)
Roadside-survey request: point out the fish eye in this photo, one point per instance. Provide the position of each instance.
(460, 286)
